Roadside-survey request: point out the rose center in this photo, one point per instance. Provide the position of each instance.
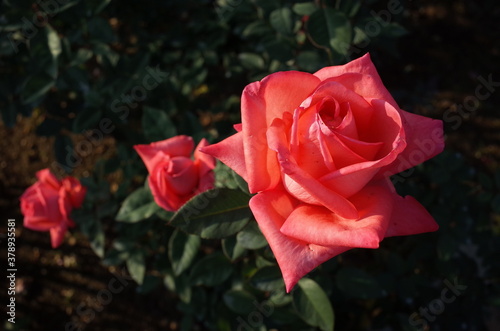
(181, 175)
(332, 113)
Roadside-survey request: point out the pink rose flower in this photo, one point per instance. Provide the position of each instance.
(47, 204)
(174, 177)
(319, 149)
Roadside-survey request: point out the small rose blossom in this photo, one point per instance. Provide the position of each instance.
(174, 177)
(318, 149)
(47, 204)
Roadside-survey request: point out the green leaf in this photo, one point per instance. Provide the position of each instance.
(350, 7)
(91, 227)
(53, 42)
(280, 298)
(360, 36)
(394, 30)
(309, 61)
(82, 56)
(156, 124)
(137, 267)
(281, 20)
(312, 304)
(36, 87)
(100, 30)
(45, 53)
(257, 29)
(224, 176)
(97, 240)
(268, 279)
(231, 248)
(182, 249)
(100, 5)
(261, 261)
(66, 6)
(86, 119)
(137, 206)
(251, 237)
(178, 285)
(164, 214)
(279, 49)
(358, 284)
(150, 283)
(251, 61)
(65, 156)
(214, 214)
(330, 28)
(304, 8)
(242, 184)
(212, 270)
(239, 301)
(115, 257)
(105, 53)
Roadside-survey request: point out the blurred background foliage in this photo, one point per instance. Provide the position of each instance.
(117, 73)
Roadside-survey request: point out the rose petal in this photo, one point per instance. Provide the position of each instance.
(39, 205)
(295, 258)
(65, 207)
(48, 202)
(261, 103)
(47, 178)
(206, 182)
(345, 155)
(205, 163)
(386, 126)
(29, 193)
(409, 217)
(161, 192)
(317, 225)
(347, 127)
(424, 138)
(367, 151)
(360, 108)
(238, 127)
(57, 235)
(307, 145)
(76, 191)
(301, 184)
(349, 183)
(360, 76)
(38, 223)
(175, 146)
(349, 179)
(230, 152)
(181, 175)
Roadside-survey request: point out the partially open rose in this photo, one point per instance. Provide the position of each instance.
(174, 177)
(319, 149)
(47, 204)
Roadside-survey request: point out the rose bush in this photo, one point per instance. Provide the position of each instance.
(318, 149)
(47, 204)
(174, 177)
